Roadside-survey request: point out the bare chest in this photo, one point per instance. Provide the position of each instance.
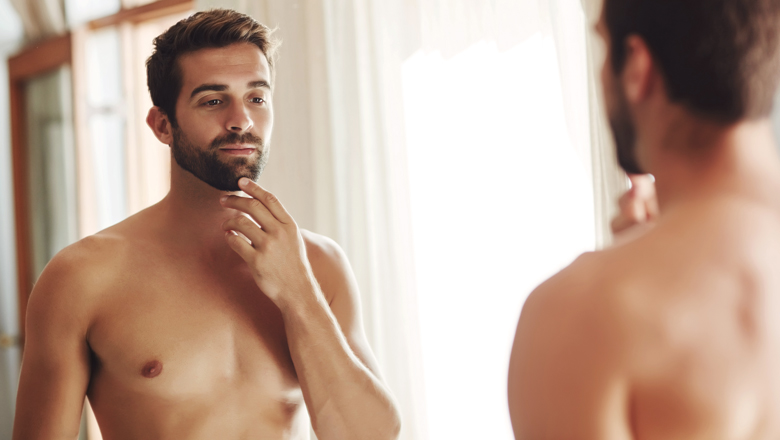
(172, 335)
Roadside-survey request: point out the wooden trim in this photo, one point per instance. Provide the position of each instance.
(146, 12)
(40, 58)
(35, 60)
(21, 198)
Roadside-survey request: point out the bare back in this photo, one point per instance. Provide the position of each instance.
(675, 334)
(705, 323)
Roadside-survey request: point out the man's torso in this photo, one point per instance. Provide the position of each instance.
(183, 347)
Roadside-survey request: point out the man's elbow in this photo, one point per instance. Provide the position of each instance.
(390, 426)
(395, 424)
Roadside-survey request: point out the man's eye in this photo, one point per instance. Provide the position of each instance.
(258, 100)
(213, 102)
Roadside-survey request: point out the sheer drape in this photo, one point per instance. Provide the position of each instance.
(450, 26)
(41, 18)
(609, 181)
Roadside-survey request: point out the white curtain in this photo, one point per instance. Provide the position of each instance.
(450, 26)
(41, 18)
(609, 181)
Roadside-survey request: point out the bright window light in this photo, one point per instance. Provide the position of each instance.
(501, 200)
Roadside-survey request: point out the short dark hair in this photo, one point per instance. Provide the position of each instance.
(719, 58)
(208, 29)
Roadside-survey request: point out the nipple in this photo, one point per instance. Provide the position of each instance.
(152, 369)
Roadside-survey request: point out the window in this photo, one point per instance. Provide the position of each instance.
(500, 201)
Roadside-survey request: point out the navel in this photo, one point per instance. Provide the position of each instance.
(152, 369)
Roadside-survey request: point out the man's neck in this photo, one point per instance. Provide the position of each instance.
(194, 216)
(700, 159)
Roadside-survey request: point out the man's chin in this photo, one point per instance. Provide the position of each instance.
(230, 185)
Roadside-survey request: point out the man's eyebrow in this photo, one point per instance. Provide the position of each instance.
(208, 87)
(258, 84)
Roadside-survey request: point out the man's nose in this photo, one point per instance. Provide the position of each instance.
(239, 120)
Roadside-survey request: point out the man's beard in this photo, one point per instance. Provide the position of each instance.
(205, 164)
(624, 132)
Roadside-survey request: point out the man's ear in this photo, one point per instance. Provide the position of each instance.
(640, 76)
(158, 121)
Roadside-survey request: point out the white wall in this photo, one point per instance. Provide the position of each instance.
(10, 36)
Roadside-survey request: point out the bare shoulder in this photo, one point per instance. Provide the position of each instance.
(76, 264)
(322, 250)
(580, 301)
(80, 274)
(568, 373)
(68, 291)
(605, 294)
(330, 266)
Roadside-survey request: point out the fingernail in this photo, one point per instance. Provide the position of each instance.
(223, 199)
(242, 182)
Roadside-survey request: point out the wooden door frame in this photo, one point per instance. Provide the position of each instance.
(35, 60)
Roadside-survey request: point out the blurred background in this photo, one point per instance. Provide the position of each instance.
(456, 149)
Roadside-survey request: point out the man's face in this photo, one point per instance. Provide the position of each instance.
(224, 115)
(618, 112)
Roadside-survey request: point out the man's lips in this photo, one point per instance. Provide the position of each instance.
(238, 149)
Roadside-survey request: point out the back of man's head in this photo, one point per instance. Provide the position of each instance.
(210, 29)
(719, 58)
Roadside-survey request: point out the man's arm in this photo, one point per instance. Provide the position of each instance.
(55, 366)
(335, 366)
(336, 279)
(566, 379)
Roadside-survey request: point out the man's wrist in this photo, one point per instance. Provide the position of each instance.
(301, 301)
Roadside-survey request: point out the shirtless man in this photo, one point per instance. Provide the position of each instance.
(177, 329)
(673, 333)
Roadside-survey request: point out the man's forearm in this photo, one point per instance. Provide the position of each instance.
(345, 399)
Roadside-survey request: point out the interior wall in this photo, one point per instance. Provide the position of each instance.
(10, 39)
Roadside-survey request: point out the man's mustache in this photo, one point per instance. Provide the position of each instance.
(235, 138)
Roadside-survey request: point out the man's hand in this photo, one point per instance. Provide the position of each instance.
(638, 205)
(277, 252)
(336, 369)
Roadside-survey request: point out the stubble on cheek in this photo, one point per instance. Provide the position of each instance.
(206, 164)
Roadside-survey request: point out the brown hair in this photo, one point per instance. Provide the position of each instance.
(719, 58)
(208, 29)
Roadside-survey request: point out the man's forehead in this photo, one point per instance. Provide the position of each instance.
(241, 62)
